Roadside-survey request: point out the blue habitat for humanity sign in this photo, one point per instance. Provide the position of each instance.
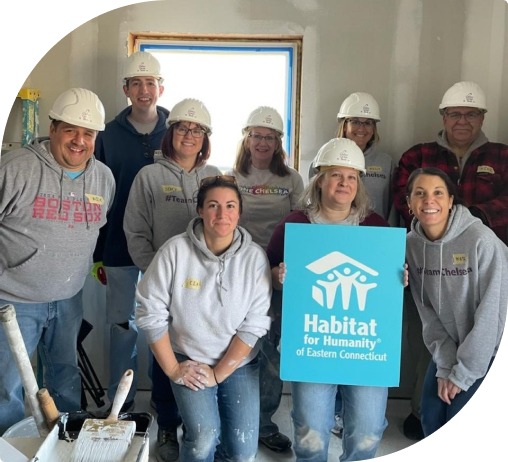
(342, 304)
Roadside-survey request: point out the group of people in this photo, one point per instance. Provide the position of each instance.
(195, 258)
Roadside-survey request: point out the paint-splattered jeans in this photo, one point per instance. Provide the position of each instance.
(221, 421)
(364, 410)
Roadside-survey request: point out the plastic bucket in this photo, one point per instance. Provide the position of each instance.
(25, 428)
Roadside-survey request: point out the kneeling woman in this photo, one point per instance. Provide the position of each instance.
(458, 270)
(203, 305)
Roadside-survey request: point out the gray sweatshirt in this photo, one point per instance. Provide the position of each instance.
(267, 199)
(459, 284)
(204, 300)
(162, 201)
(378, 179)
(49, 223)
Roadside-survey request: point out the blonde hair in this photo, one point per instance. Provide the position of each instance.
(310, 201)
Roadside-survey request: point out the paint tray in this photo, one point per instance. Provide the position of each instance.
(58, 445)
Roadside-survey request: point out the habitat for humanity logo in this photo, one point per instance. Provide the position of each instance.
(338, 271)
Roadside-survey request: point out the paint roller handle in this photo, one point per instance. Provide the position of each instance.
(18, 349)
(48, 407)
(121, 394)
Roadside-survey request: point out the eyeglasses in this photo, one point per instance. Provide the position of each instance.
(358, 123)
(469, 116)
(210, 180)
(258, 138)
(182, 130)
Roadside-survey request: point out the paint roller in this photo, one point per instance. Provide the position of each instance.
(107, 440)
(18, 349)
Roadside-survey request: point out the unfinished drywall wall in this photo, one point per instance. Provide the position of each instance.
(405, 52)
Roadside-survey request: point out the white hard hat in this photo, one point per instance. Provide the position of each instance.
(464, 94)
(340, 152)
(142, 64)
(265, 116)
(80, 107)
(359, 104)
(190, 110)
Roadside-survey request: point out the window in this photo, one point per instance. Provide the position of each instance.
(232, 76)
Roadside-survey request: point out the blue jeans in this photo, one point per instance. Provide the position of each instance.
(364, 410)
(435, 412)
(54, 328)
(168, 416)
(222, 422)
(270, 384)
(123, 333)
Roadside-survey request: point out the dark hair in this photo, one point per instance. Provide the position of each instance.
(433, 171)
(217, 182)
(169, 151)
(243, 160)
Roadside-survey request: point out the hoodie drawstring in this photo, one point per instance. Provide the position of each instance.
(84, 201)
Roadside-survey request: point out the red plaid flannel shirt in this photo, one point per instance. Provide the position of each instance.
(484, 180)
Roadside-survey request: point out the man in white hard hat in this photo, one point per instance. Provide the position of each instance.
(54, 197)
(128, 144)
(479, 169)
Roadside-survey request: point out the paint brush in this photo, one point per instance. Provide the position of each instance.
(107, 440)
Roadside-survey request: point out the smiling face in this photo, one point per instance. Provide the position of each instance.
(338, 187)
(262, 148)
(462, 125)
(430, 202)
(360, 130)
(187, 146)
(144, 92)
(71, 146)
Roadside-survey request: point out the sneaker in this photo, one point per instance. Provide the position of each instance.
(338, 428)
(276, 442)
(167, 448)
(413, 428)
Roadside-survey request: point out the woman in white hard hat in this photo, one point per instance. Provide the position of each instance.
(335, 195)
(270, 190)
(162, 201)
(358, 117)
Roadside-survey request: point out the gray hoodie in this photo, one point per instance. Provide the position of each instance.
(162, 201)
(459, 284)
(204, 300)
(49, 223)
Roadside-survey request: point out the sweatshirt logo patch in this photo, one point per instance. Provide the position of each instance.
(168, 188)
(459, 259)
(94, 199)
(190, 283)
(485, 169)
